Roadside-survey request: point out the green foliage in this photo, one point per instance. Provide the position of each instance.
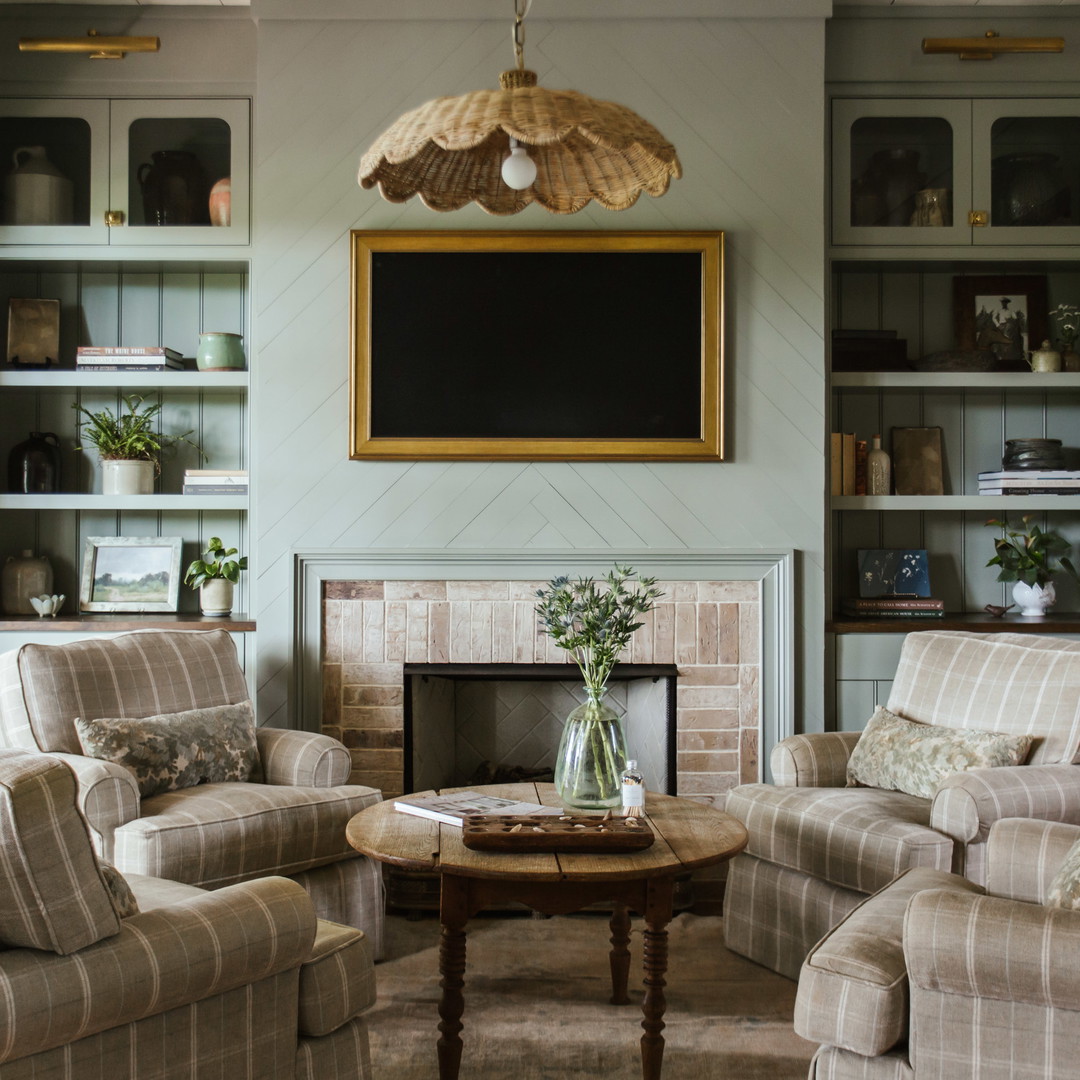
(1067, 317)
(594, 624)
(127, 436)
(215, 563)
(1029, 554)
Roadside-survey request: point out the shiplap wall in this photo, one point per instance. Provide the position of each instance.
(741, 98)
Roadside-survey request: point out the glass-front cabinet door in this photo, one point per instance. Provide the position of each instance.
(1026, 170)
(900, 171)
(55, 171)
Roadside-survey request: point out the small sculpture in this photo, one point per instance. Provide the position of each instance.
(996, 611)
(46, 604)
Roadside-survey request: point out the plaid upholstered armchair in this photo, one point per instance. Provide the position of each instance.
(154, 706)
(818, 847)
(936, 977)
(103, 976)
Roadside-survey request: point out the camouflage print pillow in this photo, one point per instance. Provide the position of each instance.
(178, 750)
(1064, 890)
(900, 755)
(123, 899)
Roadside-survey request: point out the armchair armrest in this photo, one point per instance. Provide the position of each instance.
(1024, 855)
(940, 927)
(160, 960)
(302, 758)
(966, 804)
(107, 795)
(815, 760)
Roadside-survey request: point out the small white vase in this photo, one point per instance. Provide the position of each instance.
(1034, 599)
(216, 597)
(120, 477)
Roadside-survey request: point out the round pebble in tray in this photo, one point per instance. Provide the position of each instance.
(567, 833)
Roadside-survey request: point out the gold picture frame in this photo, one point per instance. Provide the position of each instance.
(537, 346)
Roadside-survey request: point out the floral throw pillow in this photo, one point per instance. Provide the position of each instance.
(178, 750)
(123, 899)
(1064, 891)
(900, 755)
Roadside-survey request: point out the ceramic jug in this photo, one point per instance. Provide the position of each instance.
(220, 350)
(21, 578)
(221, 203)
(1028, 189)
(36, 192)
(34, 465)
(174, 189)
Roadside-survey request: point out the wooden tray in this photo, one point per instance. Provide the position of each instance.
(584, 834)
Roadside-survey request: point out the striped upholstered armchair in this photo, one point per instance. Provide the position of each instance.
(103, 976)
(818, 847)
(286, 817)
(935, 976)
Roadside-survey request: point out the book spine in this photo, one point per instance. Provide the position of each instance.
(899, 605)
(216, 481)
(128, 350)
(214, 489)
(836, 464)
(131, 367)
(1030, 491)
(922, 614)
(860, 466)
(848, 464)
(215, 472)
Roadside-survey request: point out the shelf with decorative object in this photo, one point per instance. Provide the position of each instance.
(1055, 622)
(122, 622)
(61, 380)
(130, 503)
(991, 504)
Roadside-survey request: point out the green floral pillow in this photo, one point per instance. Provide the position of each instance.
(1064, 890)
(900, 755)
(178, 750)
(123, 899)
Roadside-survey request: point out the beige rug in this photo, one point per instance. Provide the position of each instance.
(536, 1005)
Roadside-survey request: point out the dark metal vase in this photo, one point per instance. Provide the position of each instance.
(34, 465)
(174, 189)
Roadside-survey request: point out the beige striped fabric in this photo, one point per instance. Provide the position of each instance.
(343, 1054)
(147, 673)
(816, 760)
(349, 891)
(853, 987)
(107, 796)
(56, 897)
(337, 981)
(994, 682)
(832, 1063)
(1025, 857)
(302, 758)
(160, 960)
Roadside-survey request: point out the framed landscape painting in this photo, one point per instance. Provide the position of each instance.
(130, 573)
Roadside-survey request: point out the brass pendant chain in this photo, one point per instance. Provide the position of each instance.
(517, 35)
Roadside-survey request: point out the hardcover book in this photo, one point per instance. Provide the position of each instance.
(453, 809)
(893, 571)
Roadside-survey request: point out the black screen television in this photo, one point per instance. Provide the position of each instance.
(551, 345)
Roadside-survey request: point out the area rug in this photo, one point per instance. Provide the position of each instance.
(536, 1008)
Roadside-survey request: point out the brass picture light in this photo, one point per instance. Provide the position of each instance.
(96, 46)
(990, 44)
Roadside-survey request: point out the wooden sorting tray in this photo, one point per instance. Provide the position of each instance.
(588, 835)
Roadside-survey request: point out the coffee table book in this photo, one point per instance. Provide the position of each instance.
(454, 808)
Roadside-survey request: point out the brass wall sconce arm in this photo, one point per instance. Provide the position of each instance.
(96, 46)
(990, 44)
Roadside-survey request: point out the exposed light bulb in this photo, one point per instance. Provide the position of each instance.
(518, 170)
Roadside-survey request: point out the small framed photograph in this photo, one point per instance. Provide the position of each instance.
(1003, 314)
(130, 573)
(893, 572)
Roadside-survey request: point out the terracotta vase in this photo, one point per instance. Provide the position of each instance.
(221, 203)
(22, 578)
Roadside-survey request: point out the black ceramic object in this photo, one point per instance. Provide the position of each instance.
(1033, 454)
(174, 189)
(34, 465)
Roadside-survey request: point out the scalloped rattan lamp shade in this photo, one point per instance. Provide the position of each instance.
(450, 151)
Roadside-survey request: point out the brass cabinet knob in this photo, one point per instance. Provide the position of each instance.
(978, 217)
(114, 217)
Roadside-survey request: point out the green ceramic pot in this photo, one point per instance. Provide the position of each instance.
(220, 351)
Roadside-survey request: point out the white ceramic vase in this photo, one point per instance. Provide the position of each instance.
(1034, 599)
(216, 597)
(120, 477)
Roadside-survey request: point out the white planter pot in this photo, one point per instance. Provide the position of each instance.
(1034, 599)
(216, 597)
(119, 477)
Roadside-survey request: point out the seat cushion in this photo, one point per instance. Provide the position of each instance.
(856, 838)
(338, 982)
(853, 987)
(219, 834)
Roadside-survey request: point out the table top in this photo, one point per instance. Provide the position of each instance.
(688, 835)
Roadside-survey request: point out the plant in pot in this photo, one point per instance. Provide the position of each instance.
(1067, 319)
(1029, 557)
(594, 623)
(127, 444)
(214, 574)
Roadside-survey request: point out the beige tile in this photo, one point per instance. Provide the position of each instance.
(362, 716)
(705, 784)
(707, 631)
(525, 590)
(388, 782)
(502, 632)
(525, 634)
(700, 675)
(679, 592)
(715, 761)
(331, 631)
(733, 592)
(749, 695)
(353, 590)
(396, 629)
(352, 630)
(708, 740)
(438, 643)
(750, 633)
(373, 738)
(641, 644)
(416, 631)
(729, 634)
(480, 614)
(371, 674)
(331, 694)
(377, 760)
(416, 590)
(664, 634)
(706, 719)
(686, 633)
(375, 634)
(370, 696)
(748, 756)
(478, 590)
(460, 632)
(709, 697)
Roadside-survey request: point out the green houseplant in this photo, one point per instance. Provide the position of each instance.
(594, 623)
(1029, 557)
(128, 445)
(214, 574)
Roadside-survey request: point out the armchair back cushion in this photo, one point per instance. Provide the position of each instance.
(1009, 683)
(135, 675)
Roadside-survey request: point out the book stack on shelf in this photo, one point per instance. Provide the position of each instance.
(215, 482)
(847, 467)
(1030, 482)
(894, 583)
(896, 606)
(128, 358)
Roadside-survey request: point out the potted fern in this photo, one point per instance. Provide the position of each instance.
(128, 446)
(214, 574)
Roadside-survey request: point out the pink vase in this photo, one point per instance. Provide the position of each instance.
(221, 202)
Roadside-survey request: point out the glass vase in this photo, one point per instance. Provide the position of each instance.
(592, 756)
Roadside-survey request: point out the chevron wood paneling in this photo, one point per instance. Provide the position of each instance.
(742, 99)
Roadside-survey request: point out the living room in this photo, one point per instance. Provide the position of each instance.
(743, 89)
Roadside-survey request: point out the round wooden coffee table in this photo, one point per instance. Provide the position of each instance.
(688, 835)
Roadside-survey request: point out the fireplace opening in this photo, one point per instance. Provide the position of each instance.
(471, 724)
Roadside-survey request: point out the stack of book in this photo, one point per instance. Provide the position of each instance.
(847, 464)
(127, 358)
(896, 606)
(215, 482)
(1030, 482)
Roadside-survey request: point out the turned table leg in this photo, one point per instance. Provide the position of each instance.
(657, 917)
(453, 916)
(619, 957)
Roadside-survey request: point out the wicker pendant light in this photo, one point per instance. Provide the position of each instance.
(451, 151)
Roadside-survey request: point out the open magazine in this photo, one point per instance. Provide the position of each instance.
(454, 809)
